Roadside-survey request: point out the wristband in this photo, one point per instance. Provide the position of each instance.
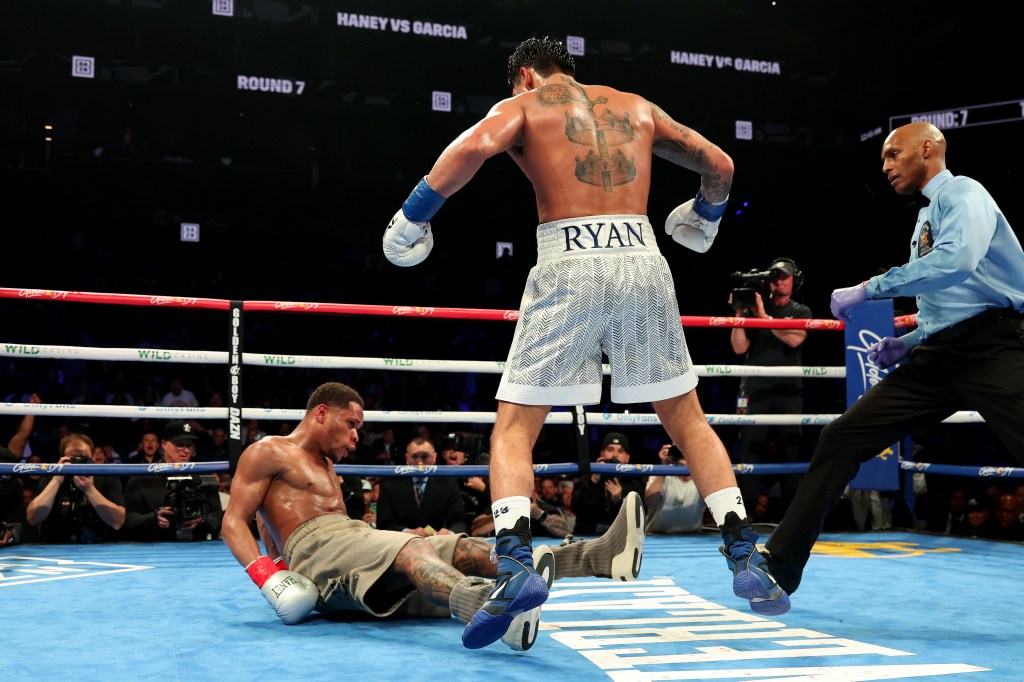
(261, 569)
(705, 209)
(422, 203)
(281, 565)
(543, 515)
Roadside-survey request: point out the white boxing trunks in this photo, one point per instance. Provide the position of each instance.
(600, 285)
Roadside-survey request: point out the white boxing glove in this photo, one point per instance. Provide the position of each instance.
(292, 596)
(407, 242)
(695, 223)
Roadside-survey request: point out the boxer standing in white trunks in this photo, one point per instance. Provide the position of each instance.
(600, 285)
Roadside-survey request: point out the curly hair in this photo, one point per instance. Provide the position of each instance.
(545, 55)
(333, 394)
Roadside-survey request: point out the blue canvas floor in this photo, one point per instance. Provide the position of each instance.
(873, 606)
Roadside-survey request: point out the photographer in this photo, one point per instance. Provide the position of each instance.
(596, 498)
(83, 509)
(770, 395)
(177, 507)
(673, 503)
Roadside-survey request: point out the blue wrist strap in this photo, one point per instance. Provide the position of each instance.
(706, 210)
(423, 203)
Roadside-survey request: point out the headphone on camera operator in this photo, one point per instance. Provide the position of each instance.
(744, 298)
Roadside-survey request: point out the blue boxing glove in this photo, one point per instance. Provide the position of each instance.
(888, 352)
(845, 299)
(695, 223)
(408, 239)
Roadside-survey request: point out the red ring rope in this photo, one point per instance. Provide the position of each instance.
(393, 311)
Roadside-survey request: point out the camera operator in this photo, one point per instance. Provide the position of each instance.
(673, 503)
(83, 509)
(596, 498)
(770, 395)
(179, 507)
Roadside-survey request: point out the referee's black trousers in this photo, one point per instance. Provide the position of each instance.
(982, 370)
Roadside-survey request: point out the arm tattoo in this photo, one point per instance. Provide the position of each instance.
(681, 152)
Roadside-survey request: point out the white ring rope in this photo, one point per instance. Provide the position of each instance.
(16, 350)
(422, 416)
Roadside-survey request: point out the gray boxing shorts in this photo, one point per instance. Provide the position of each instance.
(600, 286)
(348, 561)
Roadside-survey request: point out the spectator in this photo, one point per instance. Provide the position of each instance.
(12, 506)
(32, 482)
(179, 396)
(763, 509)
(19, 441)
(956, 522)
(1006, 524)
(546, 518)
(370, 492)
(421, 505)
(547, 491)
(673, 503)
(19, 449)
(149, 449)
(565, 489)
(978, 519)
(384, 450)
(596, 498)
(213, 447)
(352, 487)
(476, 494)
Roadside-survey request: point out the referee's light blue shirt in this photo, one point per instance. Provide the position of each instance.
(970, 259)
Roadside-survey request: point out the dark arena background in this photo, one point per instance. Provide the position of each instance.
(256, 149)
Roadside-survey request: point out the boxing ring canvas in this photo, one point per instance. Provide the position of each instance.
(872, 606)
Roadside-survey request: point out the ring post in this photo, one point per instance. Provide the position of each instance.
(235, 335)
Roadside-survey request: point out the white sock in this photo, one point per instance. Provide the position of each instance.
(508, 510)
(724, 501)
